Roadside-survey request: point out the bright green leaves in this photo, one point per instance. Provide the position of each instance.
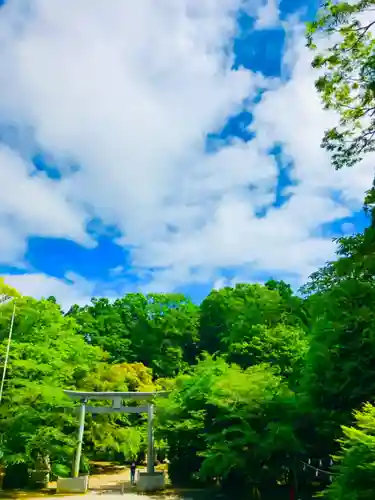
(347, 83)
(283, 346)
(44, 357)
(355, 472)
(252, 324)
(47, 355)
(231, 416)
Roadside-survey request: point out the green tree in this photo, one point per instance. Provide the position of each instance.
(245, 305)
(37, 421)
(355, 470)
(159, 330)
(166, 337)
(251, 324)
(46, 357)
(339, 373)
(104, 324)
(347, 82)
(355, 260)
(224, 422)
(283, 347)
(294, 306)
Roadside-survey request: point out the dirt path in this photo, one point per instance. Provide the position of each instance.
(109, 486)
(108, 483)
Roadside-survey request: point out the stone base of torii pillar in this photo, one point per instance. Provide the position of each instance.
(72, 484)
(154, 481)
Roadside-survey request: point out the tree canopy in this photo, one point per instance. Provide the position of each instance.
(346, 59)
(158, 330)
(224, 422)
(260, 378)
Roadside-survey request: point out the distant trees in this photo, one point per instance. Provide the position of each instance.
(260, 378)
(252, 324)
(158, 330)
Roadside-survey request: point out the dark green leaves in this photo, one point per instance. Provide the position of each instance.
(234, 421)
(159, 330)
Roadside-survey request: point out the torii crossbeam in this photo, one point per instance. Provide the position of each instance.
(117, 407)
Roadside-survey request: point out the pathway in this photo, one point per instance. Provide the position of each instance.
(110, 483)
(113, 486)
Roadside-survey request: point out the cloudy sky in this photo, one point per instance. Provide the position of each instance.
(163, 145)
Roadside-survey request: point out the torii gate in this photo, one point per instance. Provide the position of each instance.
(117, 407)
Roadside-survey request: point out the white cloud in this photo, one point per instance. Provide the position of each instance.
(33, 205)
(293, 116)
(268, 15)
(127, 97)
(117, 271)
(129, 90)
(72, 290)
(12, 244)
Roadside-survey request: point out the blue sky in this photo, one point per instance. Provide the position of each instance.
(164, 149)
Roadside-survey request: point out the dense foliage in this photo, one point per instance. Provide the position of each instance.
(355, 478)
(260, 379)
(224, 422)
(347, 80)
(48, 355)
(159, 330)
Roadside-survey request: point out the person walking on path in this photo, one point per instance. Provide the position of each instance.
(133, 468)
